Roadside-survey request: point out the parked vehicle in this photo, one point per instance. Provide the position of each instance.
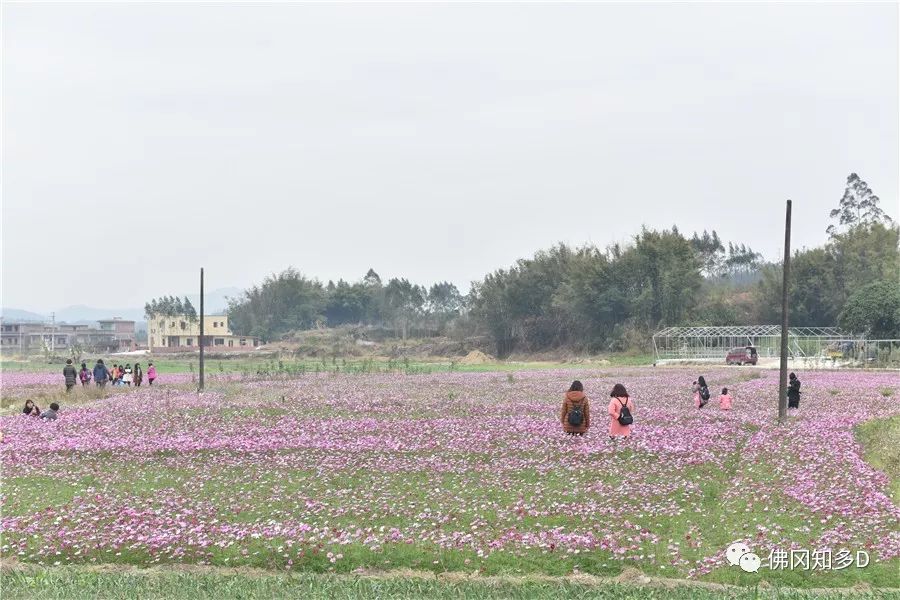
(745, 355)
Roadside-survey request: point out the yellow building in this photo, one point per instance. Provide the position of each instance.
(167, 333)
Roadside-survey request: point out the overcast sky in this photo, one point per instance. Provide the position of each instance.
(141, 141)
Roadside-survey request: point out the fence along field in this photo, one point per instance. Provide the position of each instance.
(453, 472)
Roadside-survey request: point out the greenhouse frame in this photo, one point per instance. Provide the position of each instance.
(714, 342)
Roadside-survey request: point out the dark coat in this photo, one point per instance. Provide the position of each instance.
(70, 374)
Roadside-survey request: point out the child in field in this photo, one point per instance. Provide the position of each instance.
(576, 414)
(50, 413)
(620, 411)
(31, 409)
(84, 375)
(138, 375)
(151, 373)
(725, 400)
(127, 375)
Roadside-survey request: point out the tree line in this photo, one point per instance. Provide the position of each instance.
(289, 301)
(599, 299)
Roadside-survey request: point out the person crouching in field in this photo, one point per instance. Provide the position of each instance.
(31, 409)
(70, 374)
(701, 392)
(620, 410)
(50, 413)
(576, 411)
(725, 400)
(138, 375)
(84, 375)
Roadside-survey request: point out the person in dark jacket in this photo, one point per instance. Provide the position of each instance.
(51, 413)
(793, 392)
(101, 374)
(70, 374)
(138, 374)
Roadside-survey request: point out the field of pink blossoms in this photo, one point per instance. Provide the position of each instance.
(452, 471)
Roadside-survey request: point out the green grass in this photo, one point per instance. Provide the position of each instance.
(250, 366)
(880, 439)
(71, 583)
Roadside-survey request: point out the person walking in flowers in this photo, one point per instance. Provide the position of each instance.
(621, 413)
(576, 411)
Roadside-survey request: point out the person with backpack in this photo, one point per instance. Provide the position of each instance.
(701, 392)
(621, 412)
(70, 374)
(793, 391)
(576, 411)
(84, 375)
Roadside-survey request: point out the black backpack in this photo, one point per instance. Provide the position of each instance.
(704, 395)
(576, 415)
(625, 417)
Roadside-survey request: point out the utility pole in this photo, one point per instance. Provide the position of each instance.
(201, 329)
(52, 333)
(782, 381)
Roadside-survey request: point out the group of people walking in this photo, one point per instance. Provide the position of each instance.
(576, 411)
(101, 375)
(575, 415)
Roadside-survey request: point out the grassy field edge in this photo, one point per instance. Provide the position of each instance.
(108, 581)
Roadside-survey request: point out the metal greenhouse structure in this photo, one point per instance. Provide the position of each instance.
(713, 343)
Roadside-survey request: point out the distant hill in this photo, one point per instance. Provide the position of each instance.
(215, 303)
(17, 314)
(72, 314)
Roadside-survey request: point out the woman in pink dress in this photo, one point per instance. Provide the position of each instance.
(618, 400)
(725, 400)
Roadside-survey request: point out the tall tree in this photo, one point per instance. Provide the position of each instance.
(858, 206)
(710, 251)
(874, 310)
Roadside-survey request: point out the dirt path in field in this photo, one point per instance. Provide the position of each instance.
(630, 576)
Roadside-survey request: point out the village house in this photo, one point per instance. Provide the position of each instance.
(182, 334)
(112, 335)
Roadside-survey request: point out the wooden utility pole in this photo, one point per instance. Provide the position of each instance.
(201, 329)
(782, 382)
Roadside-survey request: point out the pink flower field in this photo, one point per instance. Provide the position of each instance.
(453, 471)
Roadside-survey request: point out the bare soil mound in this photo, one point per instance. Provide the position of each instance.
(477, 357)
